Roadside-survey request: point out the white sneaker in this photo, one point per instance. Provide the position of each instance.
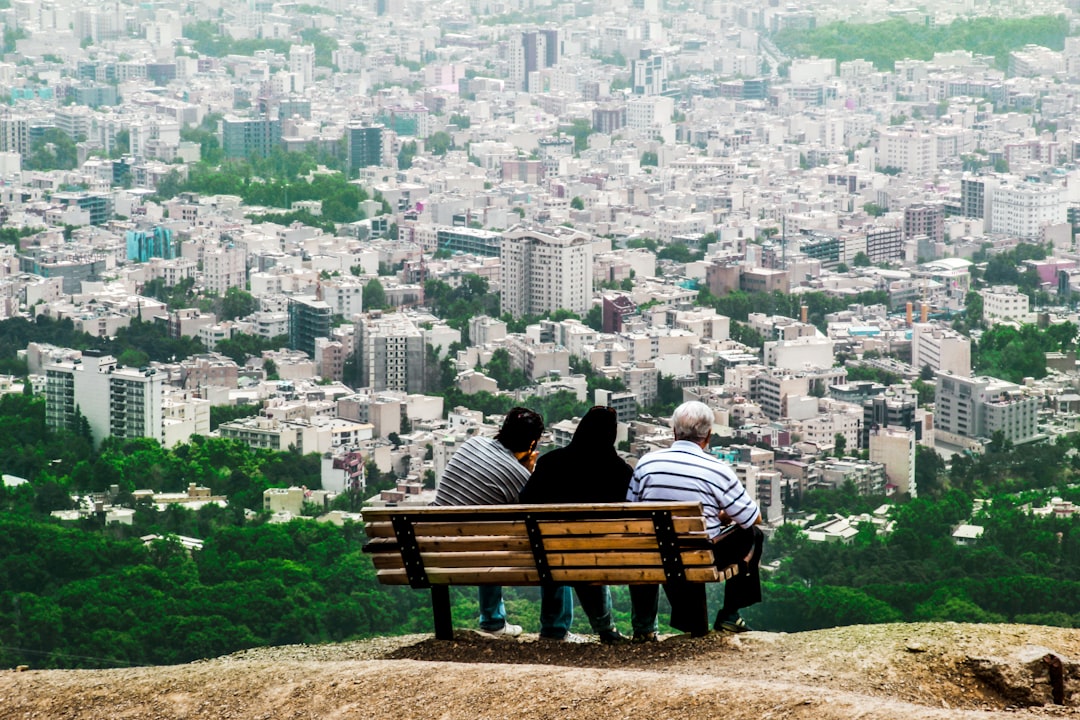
(506, 631)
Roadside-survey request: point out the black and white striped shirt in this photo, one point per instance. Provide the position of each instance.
(481, 472)
(684, 472)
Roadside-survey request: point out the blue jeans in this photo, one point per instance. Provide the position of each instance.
(644, 605)
(557, 609)
(492, 610)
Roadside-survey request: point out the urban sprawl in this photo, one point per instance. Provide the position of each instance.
(606, 170)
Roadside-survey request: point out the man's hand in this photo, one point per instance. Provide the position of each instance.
(528, 459)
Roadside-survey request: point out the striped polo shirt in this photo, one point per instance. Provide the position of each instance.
(684, 472)
(482, 472)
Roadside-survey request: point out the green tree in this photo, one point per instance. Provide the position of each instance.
(439, 143)
(237, 303)
(374, 296)
(577, 203)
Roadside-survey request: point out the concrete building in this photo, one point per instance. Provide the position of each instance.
(895, 449)
(116, 401)
(799, 353)
(1023, 209)
(391, 353)
(546, 270)
(970, 409)
(242, 138)
(941, 349)
(308, 319)
(1005, 302)
(224, 268)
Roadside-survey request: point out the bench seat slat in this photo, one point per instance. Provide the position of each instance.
(445, 560)
(621, 559)
(609, 527)
(548, 529)
(452, 529)
(495, 543)
(522, 576)
(579, 560)
(567, 511)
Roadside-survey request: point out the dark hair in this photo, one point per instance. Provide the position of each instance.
(521, 428)
(598, 428)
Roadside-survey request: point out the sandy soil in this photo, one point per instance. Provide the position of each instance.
(881, 671)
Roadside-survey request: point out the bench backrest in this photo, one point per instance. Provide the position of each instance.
(623, 543)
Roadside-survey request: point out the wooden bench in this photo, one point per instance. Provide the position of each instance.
(599, 544)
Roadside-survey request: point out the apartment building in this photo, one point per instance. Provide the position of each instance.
(115, 401)
(546, 270)
(941, 349)
(974, 408)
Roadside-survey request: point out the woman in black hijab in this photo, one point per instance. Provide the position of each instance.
(586, 470)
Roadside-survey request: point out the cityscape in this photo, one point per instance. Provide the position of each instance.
(380, 225)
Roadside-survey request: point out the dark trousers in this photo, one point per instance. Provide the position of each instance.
(689, 609)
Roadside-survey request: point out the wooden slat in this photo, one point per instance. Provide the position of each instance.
(678, 509)
(495, 543)
(460, 560)
(624, 559)
(597, 560)
(451, 529)
(520, 576)
(609, 527)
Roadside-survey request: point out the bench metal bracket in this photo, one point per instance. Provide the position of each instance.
(536, 544)
(668, 542)
(410, 551)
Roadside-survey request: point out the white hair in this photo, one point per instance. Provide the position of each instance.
(693, 421)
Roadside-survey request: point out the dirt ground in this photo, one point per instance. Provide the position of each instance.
(881, 671)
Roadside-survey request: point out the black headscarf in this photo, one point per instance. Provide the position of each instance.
(586, 470)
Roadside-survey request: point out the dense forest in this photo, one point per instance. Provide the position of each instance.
(84, 595)
(886, 42)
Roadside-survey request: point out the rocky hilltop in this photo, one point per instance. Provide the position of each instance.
(880, 671)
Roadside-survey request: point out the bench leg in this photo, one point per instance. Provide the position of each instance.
(440, 608)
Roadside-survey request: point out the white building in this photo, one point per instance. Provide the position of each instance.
(545, 270)
(942, 349)
(912, 151)
(970, 409)
(799, 353)
(1005, 302)
(116, 401)
(224, 268)
(1023, 209)
(894, 447)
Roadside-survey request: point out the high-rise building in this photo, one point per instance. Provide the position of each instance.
(1023, 209)
(910, 150)
(365, 143)
(546, 270)
(923, 219)
(116, 401)
(977, 195)
(941, 349)
(242, 138)
(225, 268)
(649, 74)
(390, 353)
(302, 65)
(889, 409)
(143, 245)
(895, 449)
(531, 52)
(974, 408)
(308, 319)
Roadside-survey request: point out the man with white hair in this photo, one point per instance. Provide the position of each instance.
(686, 472)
